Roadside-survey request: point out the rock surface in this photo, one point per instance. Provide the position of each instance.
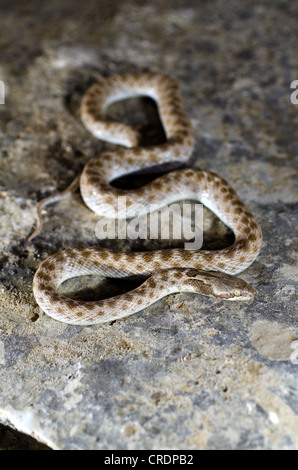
(189, 372)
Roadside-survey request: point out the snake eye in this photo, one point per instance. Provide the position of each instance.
(237, 293)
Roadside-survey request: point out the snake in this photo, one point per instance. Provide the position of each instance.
(165, 271)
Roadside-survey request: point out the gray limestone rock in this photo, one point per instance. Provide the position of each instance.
(189, 372)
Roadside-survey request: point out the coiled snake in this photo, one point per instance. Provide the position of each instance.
(168, 271)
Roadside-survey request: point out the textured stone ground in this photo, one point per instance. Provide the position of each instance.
(190, 372)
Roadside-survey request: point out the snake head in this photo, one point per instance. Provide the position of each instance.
(220, 285)
(241, 291)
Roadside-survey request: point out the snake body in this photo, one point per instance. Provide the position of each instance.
(168, 271)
